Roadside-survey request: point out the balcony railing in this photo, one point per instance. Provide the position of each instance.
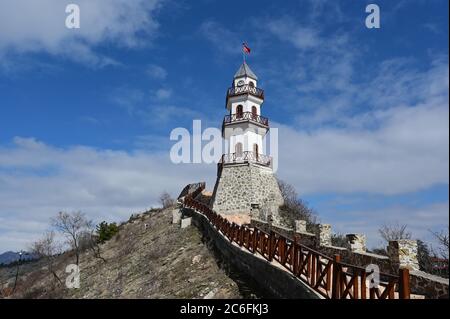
(245, 89)
(246, 157)
(246, 116)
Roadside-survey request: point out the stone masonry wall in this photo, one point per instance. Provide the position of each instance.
(433, 287)
(240, 186)
(303, 236)
(278, 282)
(403, 253)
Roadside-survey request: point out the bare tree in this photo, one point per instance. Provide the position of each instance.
(72, 226)
(16, 278)
(46, 248)
(166, 200)
(394, 232)
(89, 240)
(294, 207)
(288, 192)
(442, 239)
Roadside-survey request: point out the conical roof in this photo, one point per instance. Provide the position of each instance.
(245, 70)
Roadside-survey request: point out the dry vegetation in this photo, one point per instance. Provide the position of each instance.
(148, 258)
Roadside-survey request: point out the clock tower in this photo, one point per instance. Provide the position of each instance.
(245, 181)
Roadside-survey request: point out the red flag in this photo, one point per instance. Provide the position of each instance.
(245, 48)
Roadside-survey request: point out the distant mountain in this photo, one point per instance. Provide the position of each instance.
(11, 256)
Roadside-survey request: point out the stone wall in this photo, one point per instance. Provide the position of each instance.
(240, 186)
(361, 259)
(403, 253)
(304, 237)
(276, 281)
(421, 283)
(433, 287)
(300, 226)
(257, 184)
(322, 242)
(356, 242)
(324, 235)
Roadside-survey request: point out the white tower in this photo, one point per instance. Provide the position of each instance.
(244, 127)
(245, 179)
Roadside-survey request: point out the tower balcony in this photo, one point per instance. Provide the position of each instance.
(246, 157)
(245, 89)
(246, 116)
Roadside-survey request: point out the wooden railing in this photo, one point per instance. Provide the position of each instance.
(246, 116)
(199, 187)
(192, 189)
(246, 156)
(244, 89)
(328, 276)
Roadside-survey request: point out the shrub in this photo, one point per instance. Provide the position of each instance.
(295, 208)
(106, 231)
(339, 240)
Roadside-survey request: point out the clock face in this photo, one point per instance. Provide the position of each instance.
(240, 83)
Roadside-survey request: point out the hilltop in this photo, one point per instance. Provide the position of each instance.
(148, 258)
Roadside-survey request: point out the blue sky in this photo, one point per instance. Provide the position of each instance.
(85, 115)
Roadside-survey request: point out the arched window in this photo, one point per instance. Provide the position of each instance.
(239, 111)
(256, 151)
(238, 149)
(254, 113)
(251, 84)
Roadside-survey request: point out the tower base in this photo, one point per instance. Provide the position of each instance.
(246, 188)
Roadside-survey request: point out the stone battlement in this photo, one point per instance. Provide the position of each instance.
(401, 254)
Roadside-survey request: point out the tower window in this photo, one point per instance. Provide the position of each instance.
(239, 111)
(238, 149)
(254, 112)
(251, 84)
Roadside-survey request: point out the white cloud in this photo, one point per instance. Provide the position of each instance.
(39, 26)
(384, 132)
(163, 94)
(333, 86)
(224, 40)
(300, 36)
(406, 153)
(409, 151)
(156, 72)
(420, 222)
(154, 107)
(398, 144)
(167, 113)
(38, 180)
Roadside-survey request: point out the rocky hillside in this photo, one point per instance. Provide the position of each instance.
(148, 258)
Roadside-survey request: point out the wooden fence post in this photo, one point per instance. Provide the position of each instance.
(403, 283)
(241, 235)
(314, 259)
(295, 256)
(269, 246)
(335, 290)
(254, 247)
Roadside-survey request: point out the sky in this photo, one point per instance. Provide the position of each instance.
(86, 114)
